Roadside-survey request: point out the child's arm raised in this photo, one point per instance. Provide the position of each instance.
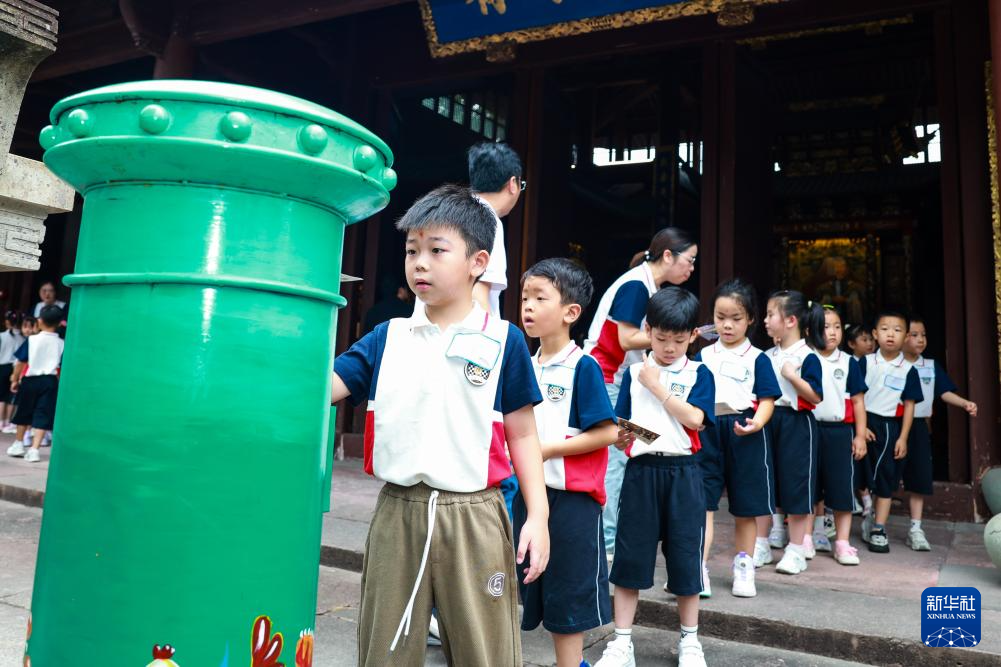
(803, 387)
(954, 399)
(523, 443)
(687, 414)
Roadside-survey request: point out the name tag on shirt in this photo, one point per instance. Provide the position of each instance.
(476, 348)
(734, 371)
(893, 382)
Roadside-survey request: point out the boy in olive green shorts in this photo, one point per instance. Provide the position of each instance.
(445, 389)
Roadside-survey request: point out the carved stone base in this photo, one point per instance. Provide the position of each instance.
(29, 193)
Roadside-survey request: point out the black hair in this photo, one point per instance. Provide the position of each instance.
(915, 318)
(889, 312)
(742, 293)
(853, 331)
(28, 319)
(47, 282)
(675, 239)
(491, 165)
(809, 315)
(51, 316)
(13, 317)
(673, 309)
(569, 278)
(453, 207)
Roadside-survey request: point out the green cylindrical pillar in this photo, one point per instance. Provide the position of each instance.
(184, 492)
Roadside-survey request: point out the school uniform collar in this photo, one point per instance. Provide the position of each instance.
(476, 320)
(777, 350)
(720, 347)
(557, 359)
(920, 361)
(47, 333)
(897, 361)
(675, 367)
(832, 358)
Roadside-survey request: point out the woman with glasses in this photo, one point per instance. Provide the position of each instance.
(616, 338)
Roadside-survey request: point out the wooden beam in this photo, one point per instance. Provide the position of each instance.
(708, 228)
(97, 46)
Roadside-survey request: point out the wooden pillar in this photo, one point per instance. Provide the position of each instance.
(717, 229)
(952, 247)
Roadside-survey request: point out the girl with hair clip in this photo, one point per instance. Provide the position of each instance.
(798, 325)
(617, 338)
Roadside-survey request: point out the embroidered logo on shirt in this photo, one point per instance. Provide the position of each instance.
(555, 392)
(677, 389)
(477, 375)
(495, 585)
(838, 373)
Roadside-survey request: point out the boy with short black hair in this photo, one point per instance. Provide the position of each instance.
(666, 398)
(893, 390)
(576, 424)
(918, 464)
(36, 402)
(445, 388)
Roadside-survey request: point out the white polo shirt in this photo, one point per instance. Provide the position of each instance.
(889, 384)
(625, 301)
(436, 399)
(842, 380)
(43, 352)
(934, 383)
(687, 380)
(742, 374)
(573, 400)
(802, 355)
(9, 342)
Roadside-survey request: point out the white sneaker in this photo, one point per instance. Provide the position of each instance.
(618, 653)
(917, 541)
(778, 537)
(31, 456)
(743, 576)
(793, 562)
(707, 589)
(762, 555)
(809, 551)
(690, 652)
(17, 449)
(9, 428)
(821, 542)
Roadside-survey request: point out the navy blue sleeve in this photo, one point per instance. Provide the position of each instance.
(518, 386)
(591, 405)
(813, 374)
(912, 387)
(766, 385)
(22, 352)
(703, 394)
(629, 304)
(943, 382)
(698, 356)
(856, 381)
(357, 367)
(862, 366)
(624, 405)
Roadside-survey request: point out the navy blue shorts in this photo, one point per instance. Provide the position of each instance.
(918, 462)
(662, 501)
(836, 473)
(572, 594)
(885, 469)
(36, 405)
(741, 463)
(796, 451)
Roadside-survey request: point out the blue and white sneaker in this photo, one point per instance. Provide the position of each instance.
(821, 542)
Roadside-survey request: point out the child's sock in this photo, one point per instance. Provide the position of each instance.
(818, 523)
(798, 548)
(867, 503)
(762, 541)
(776, 521)
(623, 636)
(686, 631)
(915, 524)
(878, 526)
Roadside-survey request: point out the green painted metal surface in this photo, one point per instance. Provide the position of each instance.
(191, 440)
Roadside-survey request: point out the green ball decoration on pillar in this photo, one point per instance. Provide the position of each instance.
(178, 511)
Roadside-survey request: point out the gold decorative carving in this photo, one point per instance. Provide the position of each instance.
(735, 14)
(992, 160)
(743, 8)
(869, 27)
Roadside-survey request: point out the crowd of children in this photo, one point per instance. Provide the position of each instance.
(31, 351)
(793, 433)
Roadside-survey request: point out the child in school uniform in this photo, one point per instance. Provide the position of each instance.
(576, 423)
(10, 340)
(893, 390)
(918, 464)
(842, 429)
(736, 450)
(446, 388)
(859, 340)
(670, 398)
(799, 325)
(41, 354)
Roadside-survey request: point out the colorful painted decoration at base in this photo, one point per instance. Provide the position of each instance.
(162, 656)
(265, 650)
(304, 649)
